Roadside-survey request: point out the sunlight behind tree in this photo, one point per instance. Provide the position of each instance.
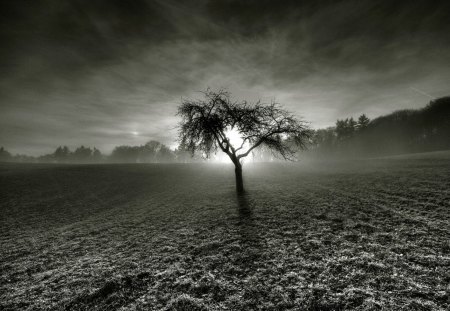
(237, 129)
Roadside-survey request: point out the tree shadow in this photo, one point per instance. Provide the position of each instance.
(250, 240)
(244, 207)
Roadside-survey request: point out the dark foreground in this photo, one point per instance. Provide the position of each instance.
(363, 235)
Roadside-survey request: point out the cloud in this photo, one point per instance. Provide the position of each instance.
(94, 72)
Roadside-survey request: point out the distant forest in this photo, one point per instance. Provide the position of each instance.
(403, 131)
(151, 152)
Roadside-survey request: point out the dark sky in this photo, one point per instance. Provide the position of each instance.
(110, 72)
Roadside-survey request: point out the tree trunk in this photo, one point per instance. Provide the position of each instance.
(239, 180)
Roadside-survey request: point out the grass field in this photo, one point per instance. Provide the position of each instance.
(362, 235)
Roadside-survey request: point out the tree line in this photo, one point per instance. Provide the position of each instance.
(151, 152)
(403, 131)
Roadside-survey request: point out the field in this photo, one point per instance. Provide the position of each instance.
(361, 235)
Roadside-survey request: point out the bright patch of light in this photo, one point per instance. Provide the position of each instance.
(235, 140)
(234, 137)
(134, 133)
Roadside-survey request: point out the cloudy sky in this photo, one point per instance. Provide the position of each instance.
(109, 72)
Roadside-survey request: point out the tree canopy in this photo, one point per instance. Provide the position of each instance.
(206, 126)
(209, 124)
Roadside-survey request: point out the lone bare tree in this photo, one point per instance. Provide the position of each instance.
(210, 124)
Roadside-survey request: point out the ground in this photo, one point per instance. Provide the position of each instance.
(353, 235)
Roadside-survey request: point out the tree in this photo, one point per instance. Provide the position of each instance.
(61, 154)
(96, 155)
(352, 124)
(363, 122)
(128, 154)
(165, 154)
(151, 152)
(345, 128)
(324, 139)
(5, 155)
(214, 123)
(82, 154)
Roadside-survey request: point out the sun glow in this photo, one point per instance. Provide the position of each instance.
(234, 137)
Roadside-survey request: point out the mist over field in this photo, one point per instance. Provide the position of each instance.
(224, 155)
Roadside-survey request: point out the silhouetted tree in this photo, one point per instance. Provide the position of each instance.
(324, 138)
(165, 154)
(345, 128)
(61, 154)
(363, 122)
(352, 124)
(5, 156)
(96, 155)
(207, 125)
(151, 152)
(125, 154)
(341, 129)
(82, 154)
